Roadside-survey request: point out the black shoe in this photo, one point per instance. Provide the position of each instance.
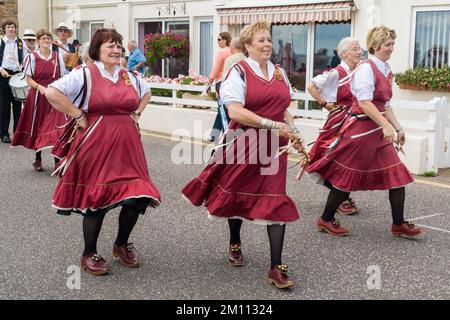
(6, 139)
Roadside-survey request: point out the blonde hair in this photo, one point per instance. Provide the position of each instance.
(247, 34)
(377, 36)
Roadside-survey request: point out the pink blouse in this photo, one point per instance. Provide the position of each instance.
(219, 62)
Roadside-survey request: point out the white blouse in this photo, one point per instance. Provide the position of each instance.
(30, 63)
(328, 83)
(363, 83)
(232, 90)
(71, 84)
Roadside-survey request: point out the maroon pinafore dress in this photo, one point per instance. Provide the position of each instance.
(233, 184)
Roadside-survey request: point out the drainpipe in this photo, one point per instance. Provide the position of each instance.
(50, 14)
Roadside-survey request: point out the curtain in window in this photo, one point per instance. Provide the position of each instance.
(206, 47)
(432, 39)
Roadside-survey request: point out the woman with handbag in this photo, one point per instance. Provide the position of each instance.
(105, 166)
(40, 125)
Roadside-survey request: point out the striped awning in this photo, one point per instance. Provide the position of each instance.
(304, 13)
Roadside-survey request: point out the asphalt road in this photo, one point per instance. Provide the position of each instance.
(185, 254)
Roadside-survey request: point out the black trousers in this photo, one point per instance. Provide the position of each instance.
(6, 103)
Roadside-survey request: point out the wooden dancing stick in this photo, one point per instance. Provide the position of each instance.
(304, 156)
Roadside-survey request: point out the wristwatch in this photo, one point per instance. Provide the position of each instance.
(323, 104)
(138, 113)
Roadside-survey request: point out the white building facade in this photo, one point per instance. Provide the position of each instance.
(304, 33)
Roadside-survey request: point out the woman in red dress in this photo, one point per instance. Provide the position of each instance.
(363, 156)
(237, 184)
(40, 125)
(337, 99)
(105, 166)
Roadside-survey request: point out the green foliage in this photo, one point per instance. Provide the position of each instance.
(430, 174)
(425, 78)
(161, 92)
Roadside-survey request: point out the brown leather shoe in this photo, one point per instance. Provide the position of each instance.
(235, 255)
(332, 227)
(38, 166)
(347, 207)
(406, 229)
(278, 277)
(127, 255)
(94, 264)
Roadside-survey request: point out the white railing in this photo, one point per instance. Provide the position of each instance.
(174, 100)
(443, 133)
(436, 125)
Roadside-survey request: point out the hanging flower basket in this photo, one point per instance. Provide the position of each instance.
(168, 45)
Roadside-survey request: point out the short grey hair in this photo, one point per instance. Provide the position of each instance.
(235, 43)
(133, 42)
(85, 53)
(344, 44)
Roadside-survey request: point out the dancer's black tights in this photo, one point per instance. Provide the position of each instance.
(235, 230)
(127, 220)
(397, 200)
(276, 240)
(91, 229)
(275, 233)
(336, 197)
(93, 224)
(39, 157)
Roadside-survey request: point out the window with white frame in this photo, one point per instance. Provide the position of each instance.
(85, 30)
(292, 43)
(206, 47)
(432, 38)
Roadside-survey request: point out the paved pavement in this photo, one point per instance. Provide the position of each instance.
(185, 253)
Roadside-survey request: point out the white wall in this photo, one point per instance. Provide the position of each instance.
(32, 14)
(124, 16)
(397, 15)
(197, 124)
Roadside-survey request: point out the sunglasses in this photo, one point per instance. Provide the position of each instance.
(63, 30)
(31, 40)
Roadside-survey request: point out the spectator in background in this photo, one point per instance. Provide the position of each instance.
(136, 59)
(223, 40)
(123, 59)
(336, 59)
(30, 41)
(77, 45)
(236, 56)
(85, 55)
(124, 62)
(63, 32)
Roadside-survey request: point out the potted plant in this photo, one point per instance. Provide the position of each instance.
(425, 78)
